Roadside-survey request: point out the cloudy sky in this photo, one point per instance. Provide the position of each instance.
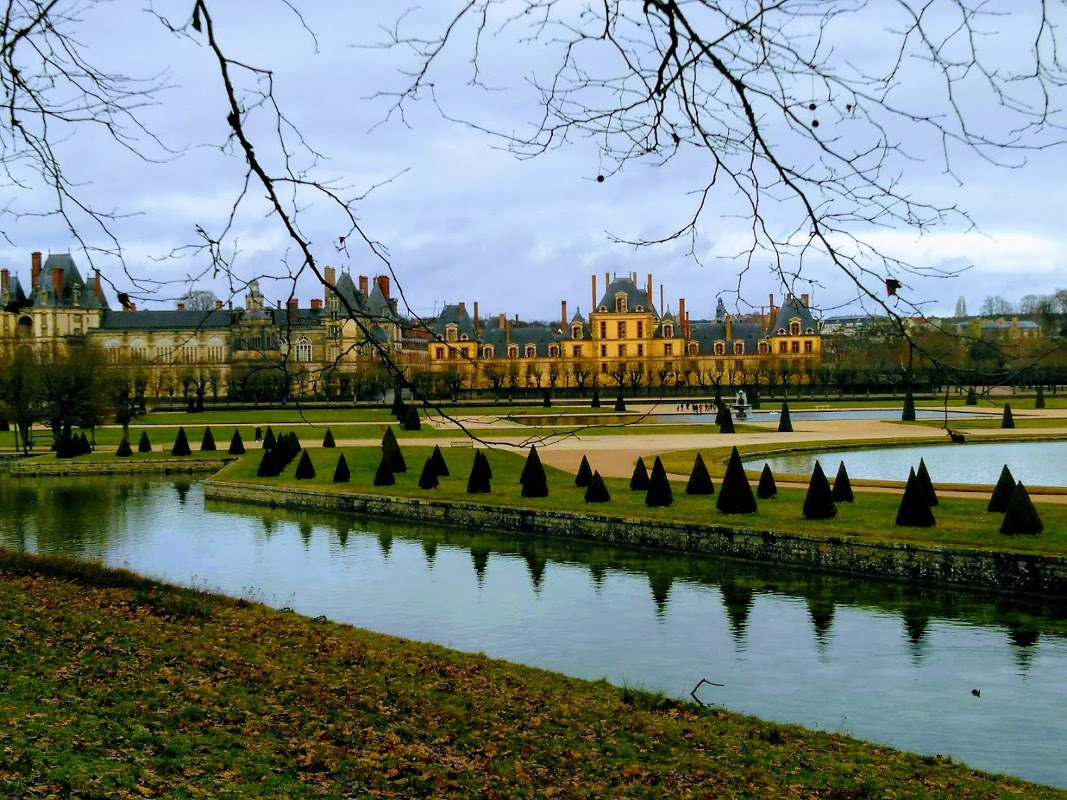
(460, 217)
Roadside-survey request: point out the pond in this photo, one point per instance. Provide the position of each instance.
(884, 661)
(1033, 463)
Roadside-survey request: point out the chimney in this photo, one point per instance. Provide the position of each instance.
(606, 282)
(476, 316)
(804, 299)
(181, 306)
(57, 283)
(383, 284)
(563, 315)
(329, 277)
(35, 267)
(649, 292)
(592, 304)
(516, 319)
(729, 330)
(661, 309)
(681, 318)
(218, 305)
(98, 289)
(363, 285)
(462, 308)
(3, 282)
(133, 306)
(292, 305)
(277, 303)
(316, 305)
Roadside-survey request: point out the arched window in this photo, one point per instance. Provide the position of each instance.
(620, 303)
(668, 330)
(639, 309)
(451, 332)
(739, 348)
(693, 348)
(553, 351)
(487, 351)
(576, 331)
(809, 331)
(781, 331)
(720, 348)
(303, 349)
(464, 338)
(531, 351)
(513, 351)
(794, 327)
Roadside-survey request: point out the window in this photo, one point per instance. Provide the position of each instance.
(693, 348)
(795, 347)
(215, 353)
(668, 349)
(553, 351)
(335, 332)
(669, 366)
(464, 352)
(809, 331)
(335, 353)
(113, 355)
(531, 351)
(781, 331)
(603, 351)
(764, 348)
(303, 349)
(621, 330)
(488, 351)
(164, 353)
(464, 338)
(451, 331)
(439, 352)
(576, 331)
(603, 330)
(640, 350)
(719, 348)
(620, 303)
(668, 330)
(807, 346)
(513, 351)
(604, 368)
(577, 349)
(622, 351)
(794, 327)
(720, 366)
(739, 348)
(189, 354)
(640, 329)
(783, 347)
(451, 354)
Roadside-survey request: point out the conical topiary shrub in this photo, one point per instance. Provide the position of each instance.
(766, 489)
(699, 479)
(181, 444)
(585, 474)
(237, 446)
(1006, 421)
(735, 493)
(268, 439)
(84, 448)
(440, 468)
(305, 470)
(391, 450)
(972, 398)
(547, 402)
(340, 472)
(659, 488)
(914, 511)
(620, 403)
(753, 397)
(925, 483)
(144, 446)
(428, 478)
(384, 476)
(124, 451)
(819, 501)
(533, 462)
(1039, 401)
(1021, 517)
(268, 465)
(536, 482)
(908, 415)
(597, 492)
(411, 419)
(208, 442)
(639, 479)
(842, 491)
(595, 400)
(785, 424)
(727, 423)
(327, 439)
(478, 482)
(1002, 492)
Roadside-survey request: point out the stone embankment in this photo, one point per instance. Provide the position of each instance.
(155, 466)
(1006, 572)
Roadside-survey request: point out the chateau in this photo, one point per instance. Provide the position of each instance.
(337, 345)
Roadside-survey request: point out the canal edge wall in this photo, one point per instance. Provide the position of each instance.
(158, 466)
(1004, 572)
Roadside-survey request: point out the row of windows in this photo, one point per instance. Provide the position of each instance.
(165, 354)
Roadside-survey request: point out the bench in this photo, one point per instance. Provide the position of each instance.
(461, 443)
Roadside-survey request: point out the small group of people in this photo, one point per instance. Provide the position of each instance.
(697, 408)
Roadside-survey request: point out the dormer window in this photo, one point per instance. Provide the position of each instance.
(576, 331)
(620, 303)
(603, 309)
(451, 332)
(781, 331)
(809, 331)
(553, 351)
(764, 348)
(794, 327)
(739, 348)
(513, 351)
(693, 348)
(76, 293)
(720, 348)
(464, 338)
(668, 330)
(531, 351)
(639, 309)
(487, 351)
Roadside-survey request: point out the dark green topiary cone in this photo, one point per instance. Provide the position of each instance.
(699, 479)
(439, 466)
(124, 450)
(727, 424)
(384, 475)
(181, 444)
(305, 470)
(908, 414)
(327, 440)
(1002, 492)
(1021, 516)
(1006, 421)
(785, 424)
(237, 446)
(766, 489)
(639, 479)
(842, 491)
(926, 484)
(819, 501)
(735, 493)
(208, 442)
(268, 439)
(144, 446)
(914, 511)
(428, 478)
(659, 488)
(597, 492)
(341, 473)
(585, 474)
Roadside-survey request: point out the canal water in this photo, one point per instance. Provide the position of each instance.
(884, 661)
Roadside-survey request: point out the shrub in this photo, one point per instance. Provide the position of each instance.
(908, 415)
(585, 474)
(124, 450)
(926, 484)
(208, 442)
(391, 451)
(428, 478)
(305, 470)
(1021, 517)
(411, 419)
(384, 475)
(597, 492)
(398, 405)
(478, 482)
(659, 488)
(268, 465)
(735, 494)
(1039, 401)
(439, 466)
(66, 447)
(1002, 492)
(268, 439)
(5, 426)
(144, 446)
(327, 440)
(181, 444)
(620, 403)
(972, 399)
(914, 511)
(294, 444)
(699, 479)
(753, 397)
(84, 448)
(785, 424)
(341, 473)
(1006, 421)
(727, 423)
(595, 401)
(534, 480)
(547, 403)
(842, 491)
(237, 447)
(766, 489)
(819, 501)
(639, 479)
(388, 438)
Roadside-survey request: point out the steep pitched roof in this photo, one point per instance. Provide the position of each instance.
(72, 283)
(165, 320)
(793, 307)
(707, 332)
(452, 314)
(346, 288)
(634, 296)
(521, 334)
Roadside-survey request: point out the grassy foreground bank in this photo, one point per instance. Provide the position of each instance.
(115, 686)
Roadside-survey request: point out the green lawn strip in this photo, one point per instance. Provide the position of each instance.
(268, 416)
(115, 686)
(1018, 418)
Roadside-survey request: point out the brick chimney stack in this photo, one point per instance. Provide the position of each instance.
(681, 318)
(35, 268)
(501, 322)
(3, 282)
(98, 288)
(804, 299)
(563, 315)
(218, 305)
(363, 285)
(383, 284)
(592, 305)
(57, 283)
(649, 293)
(476, 317)
(292, 306)
(181, 306)
(329, 276)
(316, 304)
(462, 308)
(607, 282)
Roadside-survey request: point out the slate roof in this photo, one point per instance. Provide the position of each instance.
(165, 320)
(346, 288)
(522, 334)
(451, 315)
(707, 332)
(71, 279)
(793, 307)
(634, 296)
(381, 307)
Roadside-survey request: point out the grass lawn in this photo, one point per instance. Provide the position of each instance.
(116, 686)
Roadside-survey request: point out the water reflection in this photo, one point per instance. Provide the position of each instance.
(898, 661)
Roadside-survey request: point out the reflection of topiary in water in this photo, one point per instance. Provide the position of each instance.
(208, 442)
(819, 501)
(1021, 516)
(237, 446)
(659, 488)
(926, 484)
(766, 489)
(585, 474)
(735, 493)
(914, 511)
(341, 473)
(384, 475)
(785, 424)
(699, 479)
(305, 470)
(972, 399)
(639, 479)
(124, 450)
(428, 478)
(144, 446)
(1006, 421)
(842, 491)
(1002, 492)
(597, 492)
(908, 415)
